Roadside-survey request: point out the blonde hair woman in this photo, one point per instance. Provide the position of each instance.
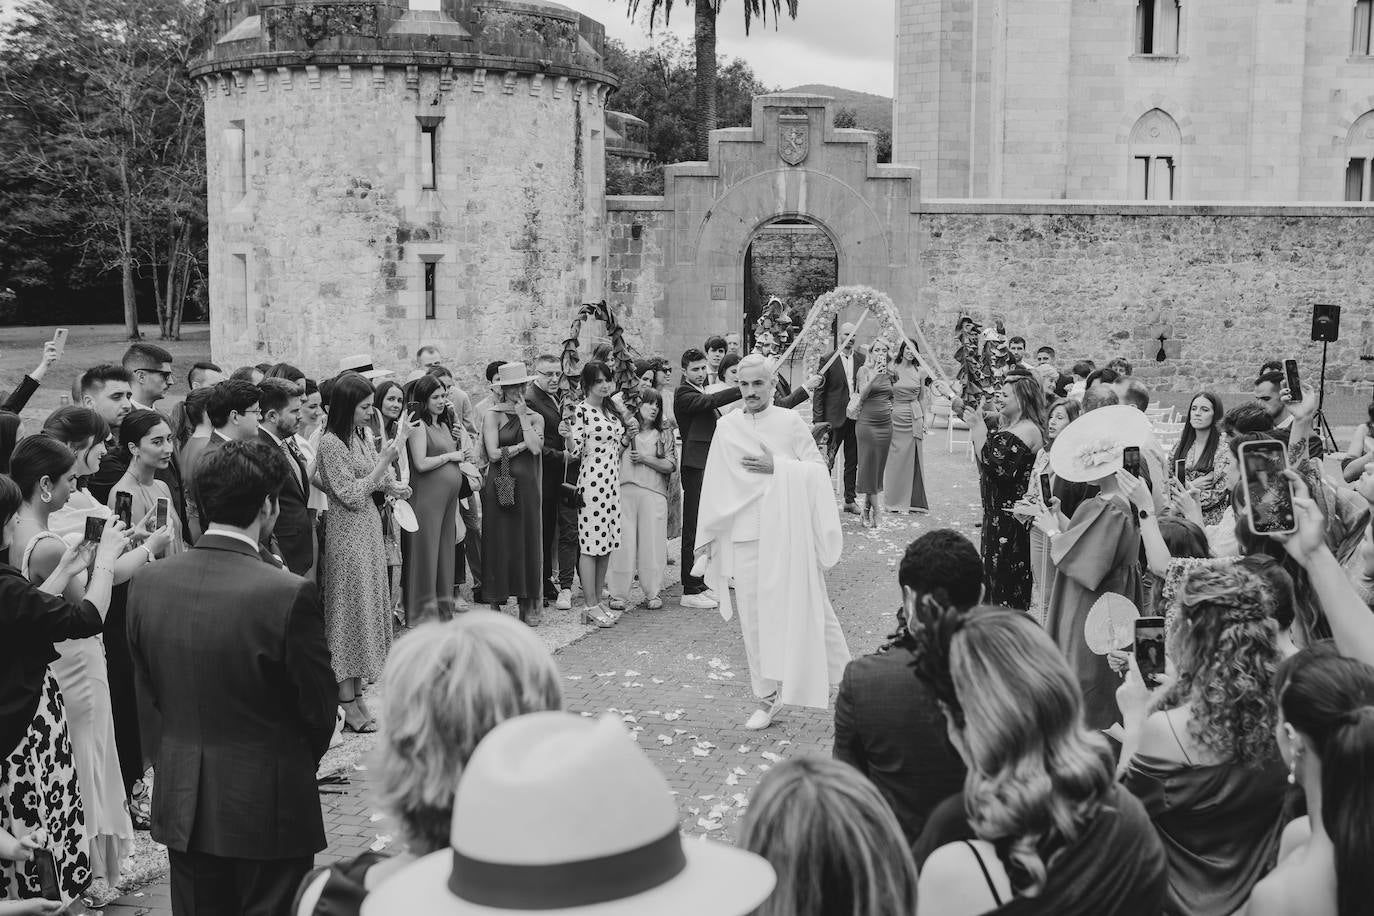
(834, 842)
(447, 685)
(1055, 834)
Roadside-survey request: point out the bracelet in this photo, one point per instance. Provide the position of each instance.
(149, 552)
(108, 569)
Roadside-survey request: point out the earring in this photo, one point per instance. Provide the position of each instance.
(1293, 767)
(46, 496)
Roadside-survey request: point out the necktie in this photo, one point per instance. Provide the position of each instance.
(298, 460)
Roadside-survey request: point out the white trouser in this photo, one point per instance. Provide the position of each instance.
(643, 543)
(745, 585)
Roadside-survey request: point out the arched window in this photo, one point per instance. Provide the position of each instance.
(1359, 146)
(1156, 26)
(1360, 44)
(1155, 145)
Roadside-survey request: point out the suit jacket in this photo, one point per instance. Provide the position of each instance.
(293, 533)
(831, 400)
(555, 448)
(113, 464)
(216, 440)
(889, 727)
(696, 420)
(785, 397)
(230, 654)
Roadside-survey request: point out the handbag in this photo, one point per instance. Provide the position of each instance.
(504, 483)
(569, 494)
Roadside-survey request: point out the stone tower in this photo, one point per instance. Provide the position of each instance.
(381, 177)
(1235, 100)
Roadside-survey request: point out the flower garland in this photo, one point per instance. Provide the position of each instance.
(829, 306)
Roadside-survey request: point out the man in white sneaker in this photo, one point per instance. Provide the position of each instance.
(764, 463)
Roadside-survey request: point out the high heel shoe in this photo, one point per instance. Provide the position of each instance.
(596, 616)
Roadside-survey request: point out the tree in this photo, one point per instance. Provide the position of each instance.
(102, 144)
(656, 86)
(704, 46)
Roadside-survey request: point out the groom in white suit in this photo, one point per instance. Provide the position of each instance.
(764, 463)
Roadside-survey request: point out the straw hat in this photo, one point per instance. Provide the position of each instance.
(1090, 447)
(512, 374)
(565, 816)
(362, 365)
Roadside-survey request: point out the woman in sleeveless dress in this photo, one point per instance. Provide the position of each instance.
(904, 487)
(873, 428)
(52, 518)
(438, 482)
(512, 541)
(597, 435)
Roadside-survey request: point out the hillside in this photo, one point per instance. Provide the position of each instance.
(874, 112)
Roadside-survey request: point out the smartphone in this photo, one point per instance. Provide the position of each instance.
(1290, 371)
(59, 339)
(1046, 495)
(1181, 470)
(161, 509)
(95, 528)
(1130, 460)
(413, 408)
(1149, 649)
(124, 508)
(46, 866)
(1268, 494)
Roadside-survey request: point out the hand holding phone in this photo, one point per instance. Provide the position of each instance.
(1290, 372)
(124, 508)
(162, 510)
(1046, 492)
(1149, 649)
(95, 527)
(1130, 460)
(1267, 489)
(59, 341)
(1181, 470)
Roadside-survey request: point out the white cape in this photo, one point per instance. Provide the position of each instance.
(799, 539)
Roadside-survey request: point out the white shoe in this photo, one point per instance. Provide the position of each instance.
(762, 718)
(564, 602)
(711, 593)
(701, 601)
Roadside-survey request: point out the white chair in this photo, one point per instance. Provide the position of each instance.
(942, 418)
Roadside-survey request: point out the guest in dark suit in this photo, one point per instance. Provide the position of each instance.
(231, 654)
(234, 413)
(696, 415)
(560, 519)
(108, 390)
(888, 723)
(830, 403)
(293, 536)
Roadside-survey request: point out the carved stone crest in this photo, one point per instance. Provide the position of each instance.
(794, 138)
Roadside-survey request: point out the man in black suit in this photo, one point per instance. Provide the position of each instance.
(108, 390)
(234, 413)
(888, 723)
(293, 537)
(830, 402)
(560, 519)
(696, 415)
(231, 654)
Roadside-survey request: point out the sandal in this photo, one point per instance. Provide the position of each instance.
(654, 604)
(356, 721)
(596, 616)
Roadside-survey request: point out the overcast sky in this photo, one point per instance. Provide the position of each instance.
(845, 43)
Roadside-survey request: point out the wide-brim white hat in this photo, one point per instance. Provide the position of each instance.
(512, 374)
(362, 364)
(1090, 447)
(565, 816)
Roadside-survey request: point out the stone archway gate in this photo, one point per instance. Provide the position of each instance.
(675, 264)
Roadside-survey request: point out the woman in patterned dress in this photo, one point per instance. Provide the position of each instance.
(39, 788)
(1208, 460)
(357, 598)
(1006, 456)
(597, 435)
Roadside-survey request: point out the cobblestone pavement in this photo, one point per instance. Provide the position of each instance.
(678, 678)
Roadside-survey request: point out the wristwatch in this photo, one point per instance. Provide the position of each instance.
(1144, 514)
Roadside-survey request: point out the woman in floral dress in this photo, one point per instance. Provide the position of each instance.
(597, 435)
(1006, 456)
(357, 478)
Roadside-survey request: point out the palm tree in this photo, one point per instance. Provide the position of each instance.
(704, 44)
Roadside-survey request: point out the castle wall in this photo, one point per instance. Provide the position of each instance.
(1228, 286)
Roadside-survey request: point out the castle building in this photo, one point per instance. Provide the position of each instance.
(1184, 100)
(381, 177)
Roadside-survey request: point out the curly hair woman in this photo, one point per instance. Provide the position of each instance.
(1201, 755)
(1055, 835)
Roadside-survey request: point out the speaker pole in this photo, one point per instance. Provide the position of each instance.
(1324, 428)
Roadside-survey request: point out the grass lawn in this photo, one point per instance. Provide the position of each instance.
(87, 346)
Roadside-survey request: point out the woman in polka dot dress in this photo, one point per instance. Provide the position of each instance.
(598, 435)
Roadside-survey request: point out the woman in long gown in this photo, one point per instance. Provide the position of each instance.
(438, 483)
(512, 540)
(904, 486)
(52, 518)
(1036, 514)
(357, 478)
(873, 428)
(1006, 456)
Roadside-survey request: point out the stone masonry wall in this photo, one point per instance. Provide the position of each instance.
(1229, 287)
(794, 263)
(335, 227)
